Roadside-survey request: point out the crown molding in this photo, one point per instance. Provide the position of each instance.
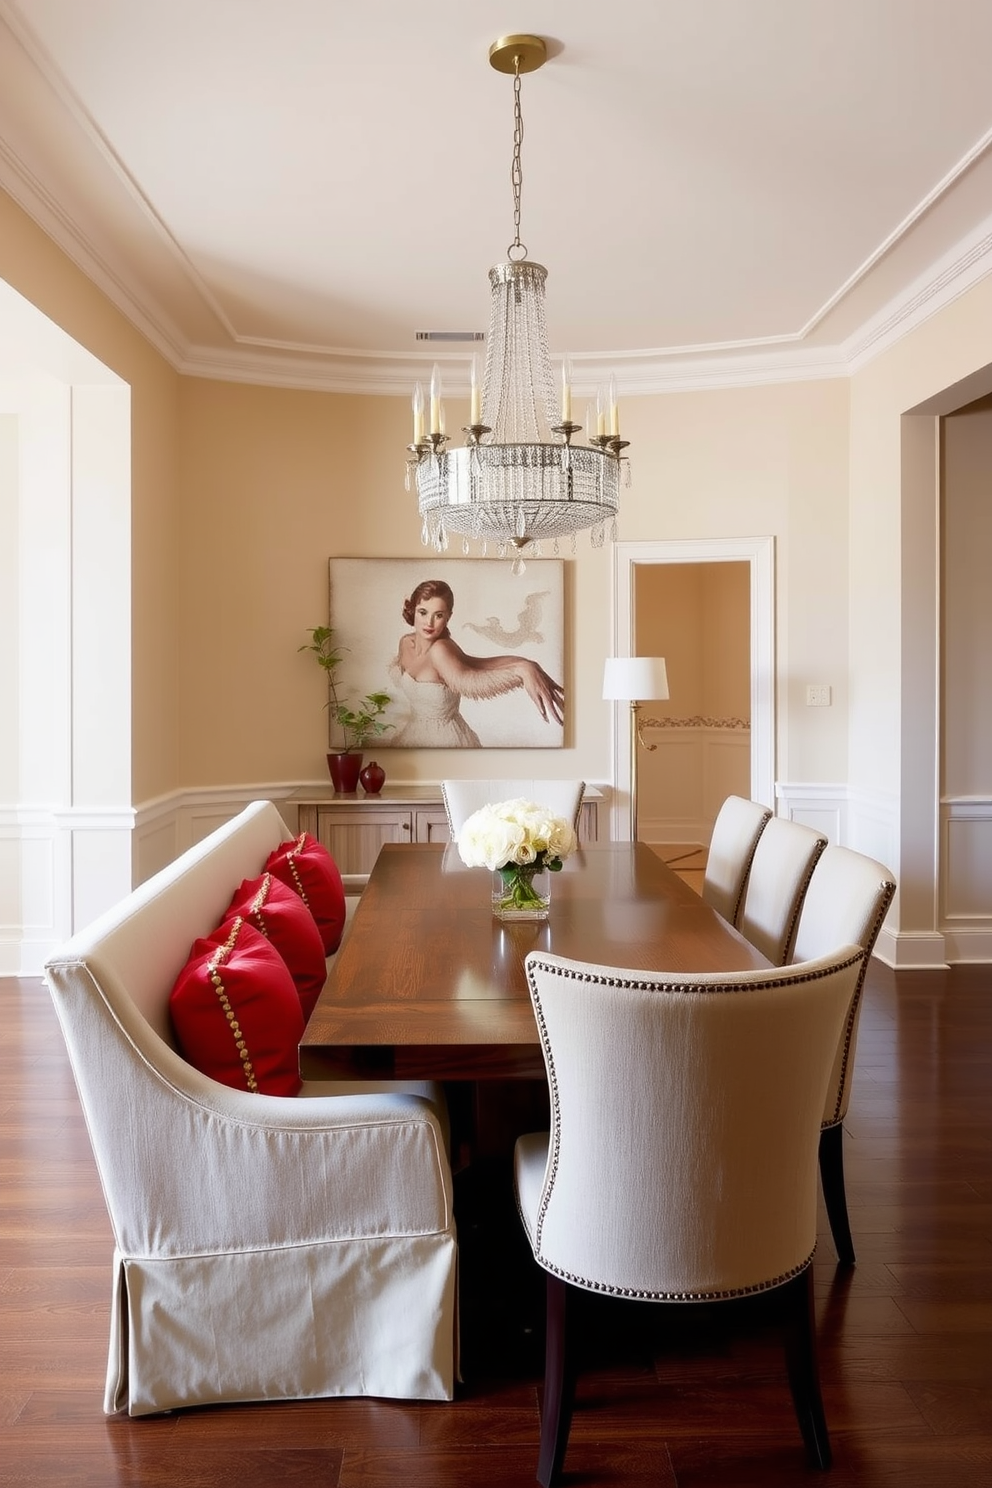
(120, 287)
(945, 281)
(244, 358)
(386, 374)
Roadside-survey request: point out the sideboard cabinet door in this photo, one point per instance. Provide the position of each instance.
(431, 825)
(353, 835)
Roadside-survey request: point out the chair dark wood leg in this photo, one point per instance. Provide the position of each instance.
(804, 1373)
(559, 1384)
(834, 1193)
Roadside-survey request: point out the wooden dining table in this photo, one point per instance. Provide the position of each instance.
(429, 985)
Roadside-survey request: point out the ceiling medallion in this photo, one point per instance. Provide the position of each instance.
(518, 480)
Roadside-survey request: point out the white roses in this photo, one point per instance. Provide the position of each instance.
(516, 833)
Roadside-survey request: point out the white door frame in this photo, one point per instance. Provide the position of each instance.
(759, 553)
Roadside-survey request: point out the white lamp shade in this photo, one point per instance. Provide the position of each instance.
(635, 679)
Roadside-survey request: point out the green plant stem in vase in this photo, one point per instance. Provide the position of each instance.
(359, 722)
(522, 891)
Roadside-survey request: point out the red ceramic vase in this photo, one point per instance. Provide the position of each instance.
(344, 770)
(373, 778)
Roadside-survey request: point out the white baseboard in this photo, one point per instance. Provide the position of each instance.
(909, 950)
(973, 944)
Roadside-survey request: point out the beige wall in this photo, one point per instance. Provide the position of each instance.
(754, 462)
(274, 482)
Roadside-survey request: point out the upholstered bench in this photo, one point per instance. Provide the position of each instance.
(266, 1246)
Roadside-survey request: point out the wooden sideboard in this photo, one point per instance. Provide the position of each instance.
(354, 827)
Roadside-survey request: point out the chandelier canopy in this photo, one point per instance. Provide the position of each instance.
(519, 479)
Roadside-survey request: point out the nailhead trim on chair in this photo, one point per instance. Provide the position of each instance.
(643, 1295)
(742, 887)
(635, 984)
(883, 910)
(219, 956)
(790, 938)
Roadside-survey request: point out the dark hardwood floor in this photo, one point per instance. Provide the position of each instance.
(671, 1399)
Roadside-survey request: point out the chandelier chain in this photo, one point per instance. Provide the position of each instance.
(522, 477)
(516, 167)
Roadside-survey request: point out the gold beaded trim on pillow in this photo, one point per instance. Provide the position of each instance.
(291, 864)
(216, 961)
(258, 904)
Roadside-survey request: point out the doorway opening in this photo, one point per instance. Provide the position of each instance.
(696, 746)
(719, 634)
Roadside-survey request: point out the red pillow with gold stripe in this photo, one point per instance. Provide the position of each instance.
(280, 914)
(306, 866)
(237, 1014)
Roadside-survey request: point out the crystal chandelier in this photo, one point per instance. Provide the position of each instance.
(519, 479)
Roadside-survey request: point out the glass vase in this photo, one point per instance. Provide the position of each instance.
(521, 892)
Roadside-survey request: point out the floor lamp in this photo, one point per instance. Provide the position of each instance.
(633, 680)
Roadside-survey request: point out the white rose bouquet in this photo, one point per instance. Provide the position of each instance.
(517, 839)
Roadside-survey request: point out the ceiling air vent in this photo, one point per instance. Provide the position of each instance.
(450, 335)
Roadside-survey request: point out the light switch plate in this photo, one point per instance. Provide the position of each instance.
(818, 696)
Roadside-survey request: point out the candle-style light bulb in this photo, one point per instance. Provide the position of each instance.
(436, 400)
(418, 414)
(475, 413)
(601, 411)
(614, 409)
(566, 391)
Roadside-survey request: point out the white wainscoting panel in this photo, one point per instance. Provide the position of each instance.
(683, 782)
(61, 868)
(168, 825)
(28, 875)
(966, 877)
(820, 806)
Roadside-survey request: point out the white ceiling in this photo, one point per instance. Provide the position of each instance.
(722, 190)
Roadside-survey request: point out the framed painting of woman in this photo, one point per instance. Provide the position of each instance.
(471, 655)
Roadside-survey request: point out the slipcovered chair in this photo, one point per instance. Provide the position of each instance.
(266, 1247)
(781, 867)
(736, 830)
(681, 1161)
(847, 900)
(462, 797)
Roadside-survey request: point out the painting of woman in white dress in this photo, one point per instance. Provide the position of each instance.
(478, 663)
(434, 674)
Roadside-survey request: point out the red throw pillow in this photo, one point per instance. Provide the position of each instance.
(280, 914)
(237, 1014)
(306, 866)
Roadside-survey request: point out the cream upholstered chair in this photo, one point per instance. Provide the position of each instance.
(265, 1247)
(847, 900)
(736, 830)
(783, 861)
(462, 797)
(681, 1161)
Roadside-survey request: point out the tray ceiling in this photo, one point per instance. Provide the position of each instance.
(287, 190)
